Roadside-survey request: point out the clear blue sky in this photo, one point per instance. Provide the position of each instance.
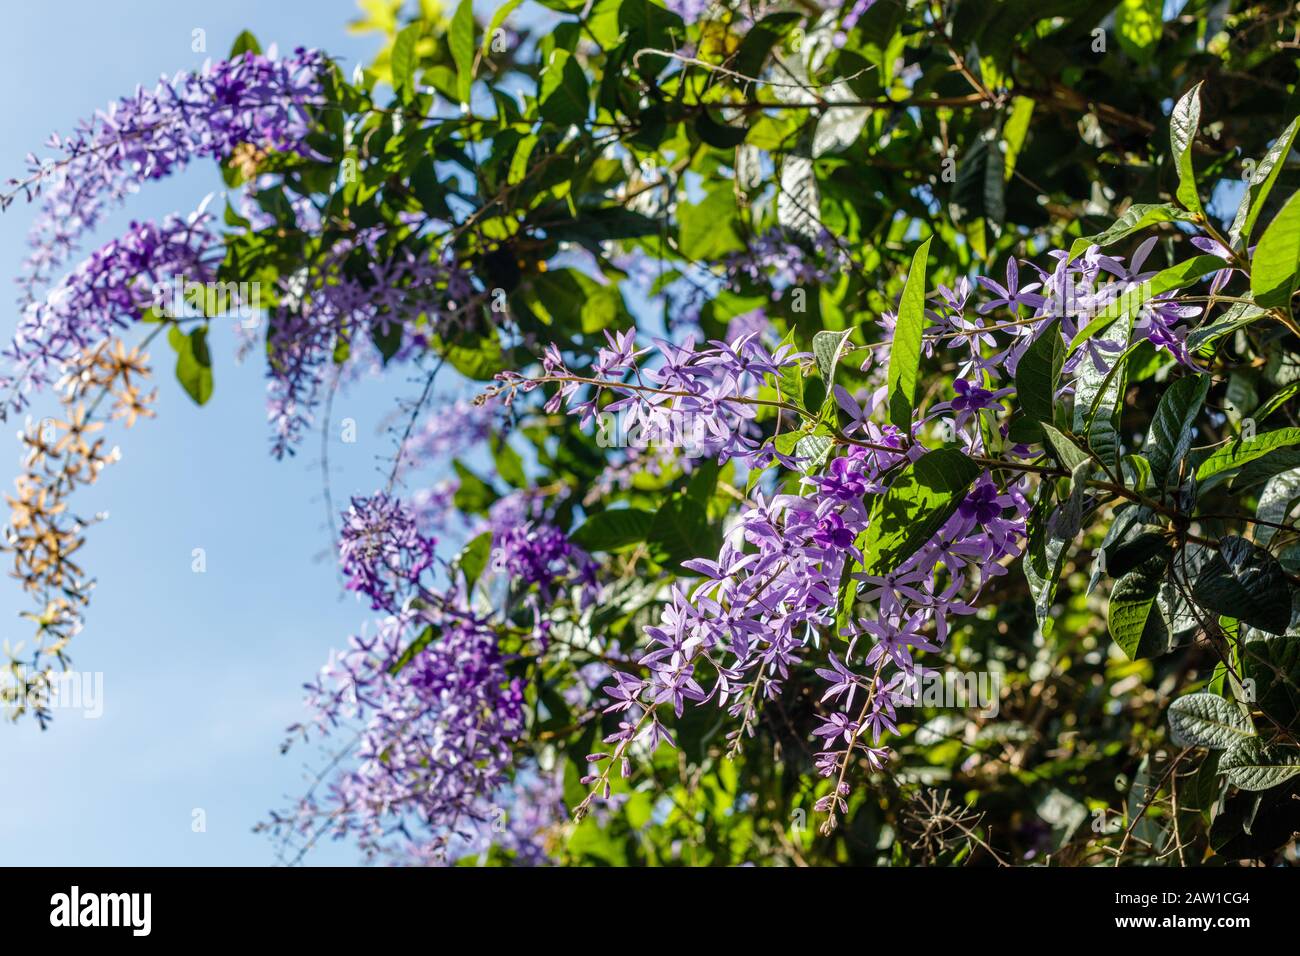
(202, 672)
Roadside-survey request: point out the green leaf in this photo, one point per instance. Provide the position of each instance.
(1039, 372)
(614, 529)
(680, 531)
(1184, 124)
(911, 512)
(1207, 720)
(424, 639)
(798, 203)
(1280, 494)
(244, 43)
(473, 558)
(576, 301)
(1244, 581)
(1137, 26)
(718, 135)
(905, 351)
(1261, 184)
(1044, 559)
(563, 97)
(790, 381)
(1239, 316)
(813, 447)
(1137, 469)
(460, 37)
(1171, 431)
(480, 359)
(1274, 666)
(827, 348)
(510, 466)
(193, 362)
(1137, 217)
(1238, 453)
(1098, 398)
(1133, 618)
(1253, 765)
(1014, 132)
(474, 495)
(707, 229)
(402, 61)
(495, 23)
(1067, 452)
(1275, 268)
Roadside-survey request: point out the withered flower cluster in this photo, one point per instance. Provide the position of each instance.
(43, 535)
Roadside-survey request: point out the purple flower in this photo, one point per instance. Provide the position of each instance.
(1012, 295)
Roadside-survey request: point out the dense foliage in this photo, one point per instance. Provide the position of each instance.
(891, 411)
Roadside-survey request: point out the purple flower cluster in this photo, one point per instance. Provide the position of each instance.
(113, 287)
(711, 389)
(381, 551)
(251, 99)
(435, 711)
(774, 259)
(690, 10)
(771, 599)
(1076, 290)
(537, 554)
(434, 740)
(457, 425)
(331, 301)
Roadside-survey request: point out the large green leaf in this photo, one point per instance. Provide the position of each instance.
(473, 494)
(680, 531)
(614, 528)
(563, 92)
(402, 60)
(1239, 316)
(1274, 665)
(1261, 184)
(1244, 581)
(911, 512)
(473, 558)
(1170, 436)
(193, 362)
(1137, 217)
(1039, 371)
(1067, 452)
(460, 37)
(1133, 618)
(1098, 397)
(1044, 559)
(1252, 764)
(827, 349)
(1184, 124)
(498, 18)
(422, 640)
(1279, 496)
(707, 229)
(1275, 268)
(1237, 453)
(905, 351)
(1137, 26)
(1208, 720)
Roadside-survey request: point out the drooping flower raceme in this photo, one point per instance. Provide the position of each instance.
(435, 711)
(111, 289)
(251, 101)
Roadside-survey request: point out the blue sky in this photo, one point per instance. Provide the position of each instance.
(202, 672)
